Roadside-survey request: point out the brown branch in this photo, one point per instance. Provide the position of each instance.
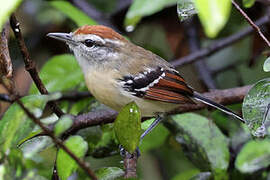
(225, 97)
(57, 141)
(211, 49)
(75, 96)
(5, 61)
(30, 65)
(253, 25)
(130, 164)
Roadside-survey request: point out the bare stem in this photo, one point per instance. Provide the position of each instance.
(255, 27)
(30, 64)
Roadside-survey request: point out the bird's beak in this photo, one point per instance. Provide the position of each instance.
(65, 37)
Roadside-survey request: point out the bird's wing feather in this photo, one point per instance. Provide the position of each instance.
(160, 85)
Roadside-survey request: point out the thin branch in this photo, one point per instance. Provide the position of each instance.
(92, 12)
(5, 61)
(254, 26)
(194, 46)
(6, 98)
(219, 44)
(30, 65)
(75, 96)
(57, 141)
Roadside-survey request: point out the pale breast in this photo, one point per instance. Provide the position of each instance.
(106, 89)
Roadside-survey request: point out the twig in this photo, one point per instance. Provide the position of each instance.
(194, 46)
(255, 27)
(218, 45)
(92, 12)
(6, 98)
(57, 141)
(5, 61)
(75, 96)
(30, 65)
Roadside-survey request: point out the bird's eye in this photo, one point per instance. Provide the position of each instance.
(89, 42)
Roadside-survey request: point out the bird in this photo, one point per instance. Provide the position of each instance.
(118, 72)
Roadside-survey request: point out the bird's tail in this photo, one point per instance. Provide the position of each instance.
(209, 102)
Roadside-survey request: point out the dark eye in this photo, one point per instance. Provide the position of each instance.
(89, 42)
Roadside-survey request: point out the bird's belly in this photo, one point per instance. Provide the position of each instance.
(109, 93)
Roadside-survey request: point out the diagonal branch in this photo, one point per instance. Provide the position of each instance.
(57, 141)
(30, 65)
(253, 25)
(204, 52)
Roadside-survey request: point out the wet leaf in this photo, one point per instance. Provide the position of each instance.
(6, 8)
(127, 127)
(109, 173)
(248, 3)
(266, 65)
(202, 141)
(213, 15)
(254, 156)
(64, 163)
(185, 9)
(79, 17)
(255, 107)
(15, 124)
(60, 73)
(63, 124)
(141, 8)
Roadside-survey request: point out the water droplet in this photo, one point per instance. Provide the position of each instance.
(185, 9)
(260, 132)
(130, 28)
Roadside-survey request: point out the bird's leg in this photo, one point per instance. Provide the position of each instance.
(152, 126)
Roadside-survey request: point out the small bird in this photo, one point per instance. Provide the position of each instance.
(118, 72)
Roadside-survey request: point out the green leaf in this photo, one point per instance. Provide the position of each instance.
(15, 124)
(64, 163)
(127, 127)
(266, 65)
(255, 107)
(248, 3)
(6, 8)
(60, 73)
(109, 173)
(213, 15)
(203, 142)
(186, 174)
(254, 156)
(185, 9)
(141, 8)
(63, 124)
(73, 13)
(30, 136)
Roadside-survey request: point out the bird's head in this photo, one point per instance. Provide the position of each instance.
(93, 44)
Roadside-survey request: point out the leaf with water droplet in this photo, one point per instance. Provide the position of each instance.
(266, 65)
(127, 127)
(185, 9)
(255, 107)
(254, 156)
